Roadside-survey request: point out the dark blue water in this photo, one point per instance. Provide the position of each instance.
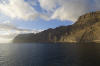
(36, 54)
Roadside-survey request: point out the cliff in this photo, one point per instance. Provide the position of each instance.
(85, 29)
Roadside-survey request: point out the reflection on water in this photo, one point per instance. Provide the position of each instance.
(49, 54)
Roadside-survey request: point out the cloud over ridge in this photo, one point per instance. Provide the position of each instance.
(52, 9)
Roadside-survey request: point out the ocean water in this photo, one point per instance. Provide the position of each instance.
(40, 54)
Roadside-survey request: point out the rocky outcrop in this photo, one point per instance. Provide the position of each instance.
(24, 38)
(85, 29)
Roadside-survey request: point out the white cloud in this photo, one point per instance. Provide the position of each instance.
(18, 9)
(7, 25)
(8, 30)
(48, 5)
(52, 9)
(66, 9)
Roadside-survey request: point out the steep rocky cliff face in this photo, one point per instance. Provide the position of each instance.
(85, 29)
(50, 35)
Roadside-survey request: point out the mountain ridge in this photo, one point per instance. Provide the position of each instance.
(85, 29)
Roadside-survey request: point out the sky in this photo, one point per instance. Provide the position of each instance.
(44, 14)
(38, 15)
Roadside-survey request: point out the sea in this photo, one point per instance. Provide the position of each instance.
(49, 54)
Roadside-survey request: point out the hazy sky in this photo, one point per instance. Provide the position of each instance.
(43, 14)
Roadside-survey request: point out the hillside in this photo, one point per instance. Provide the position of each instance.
(85, 29)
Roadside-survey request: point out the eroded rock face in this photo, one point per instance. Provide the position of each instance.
(85, 29)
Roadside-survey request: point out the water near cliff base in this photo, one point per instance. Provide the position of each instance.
(39, 54)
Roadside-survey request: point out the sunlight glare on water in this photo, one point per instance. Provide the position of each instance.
(5, 40)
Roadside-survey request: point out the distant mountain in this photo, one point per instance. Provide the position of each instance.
(85, 29)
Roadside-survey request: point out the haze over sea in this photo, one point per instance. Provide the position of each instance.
(40, 54)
